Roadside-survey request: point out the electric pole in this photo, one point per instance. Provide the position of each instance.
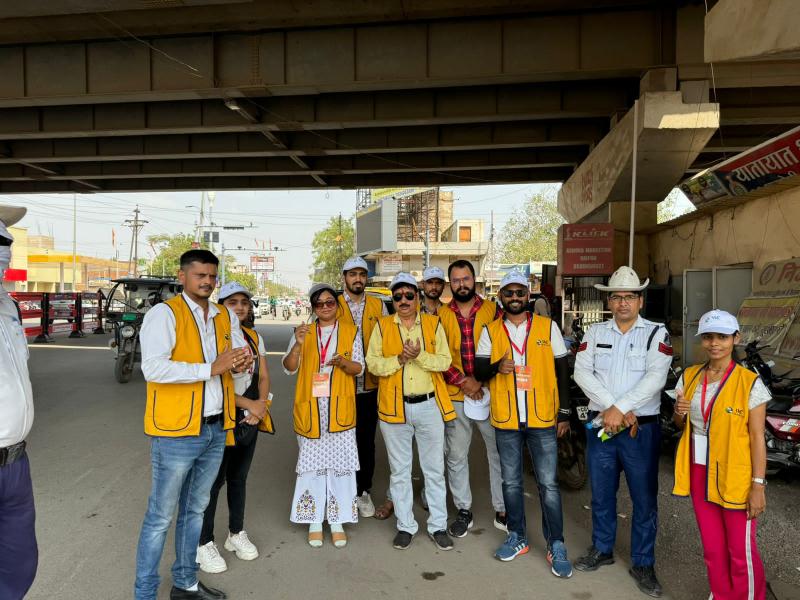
(136, 225)
(340, 239)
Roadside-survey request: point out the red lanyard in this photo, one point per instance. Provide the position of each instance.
(706, 410)
(323, 350)
(525, 344)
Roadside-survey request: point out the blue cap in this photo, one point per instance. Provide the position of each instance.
(231, 288)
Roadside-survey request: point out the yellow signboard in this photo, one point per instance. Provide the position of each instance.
(767, 319)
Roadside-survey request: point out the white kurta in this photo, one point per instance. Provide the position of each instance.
(326, 466)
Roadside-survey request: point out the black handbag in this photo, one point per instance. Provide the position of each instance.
(244, 433)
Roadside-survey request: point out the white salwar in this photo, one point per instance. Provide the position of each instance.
(325, 489)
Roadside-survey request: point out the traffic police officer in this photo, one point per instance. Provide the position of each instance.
(622, 367)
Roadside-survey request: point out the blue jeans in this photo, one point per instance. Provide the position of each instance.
(638, 457)
(184, 468)
(544, 454)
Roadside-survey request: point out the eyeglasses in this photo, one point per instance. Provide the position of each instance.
(329, 303)
(461, 280)
(630, 299)
(512, 293)
(407, 296)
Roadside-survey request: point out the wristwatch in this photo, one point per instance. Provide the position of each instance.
(759, 480)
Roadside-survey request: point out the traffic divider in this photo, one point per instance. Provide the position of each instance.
(44, 314)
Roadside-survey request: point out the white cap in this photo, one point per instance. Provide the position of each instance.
(231, 288)
(624, 279)
(514, 277)
(477, 410)
(354, 262)
(718, 321)
(432, 273)
(403, 279)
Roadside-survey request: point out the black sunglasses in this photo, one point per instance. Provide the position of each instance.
(400, 296)
(329, 303)
(512, 293)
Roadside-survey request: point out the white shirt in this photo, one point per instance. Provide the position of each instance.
(616, 369)
(16, 396)
(240, 384)
(328, 338)
(157, 338)
(517, 334)
(357, 310)
(759, 395)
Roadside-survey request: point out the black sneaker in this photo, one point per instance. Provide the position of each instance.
(501, 521)
(402, 540)
(645, 578)
(441, 539)
(593, 560)
(462, 523)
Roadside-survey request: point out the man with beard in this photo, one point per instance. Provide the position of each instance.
(523, 356)
(18, 551)
(363, 311)
(463, 320)
(408, 352)
(433, 286)
(191, 351)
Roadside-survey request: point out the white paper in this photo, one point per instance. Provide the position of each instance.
(700, 448)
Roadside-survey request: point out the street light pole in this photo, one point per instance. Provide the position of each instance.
(74, 239)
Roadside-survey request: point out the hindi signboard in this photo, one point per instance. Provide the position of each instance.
(587, 249)
(767, 319)
(780, 278)
(392, 263)
(264, 264)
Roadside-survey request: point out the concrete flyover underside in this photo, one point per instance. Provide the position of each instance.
(236, 94)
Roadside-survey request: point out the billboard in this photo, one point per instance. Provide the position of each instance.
(259, 264)
(376, 227)
(381, 193)
(586, 249)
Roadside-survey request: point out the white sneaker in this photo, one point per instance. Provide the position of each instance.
(210, 559)
(366, 508)
(241, 544)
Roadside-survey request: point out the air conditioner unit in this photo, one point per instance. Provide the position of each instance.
(417, 274)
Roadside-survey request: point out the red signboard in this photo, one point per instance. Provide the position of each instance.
(587, 249)
(15, 275)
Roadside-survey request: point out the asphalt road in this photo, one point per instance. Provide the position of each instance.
(90, 463)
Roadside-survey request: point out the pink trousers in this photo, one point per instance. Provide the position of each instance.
(735, 570)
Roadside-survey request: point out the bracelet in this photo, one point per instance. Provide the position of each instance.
(759, 481)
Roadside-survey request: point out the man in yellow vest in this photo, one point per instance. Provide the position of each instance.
(524, 359)
(191, 350)
(463, 320)
(622, 367)
(432, 287)
(363, 311)
(408, 352)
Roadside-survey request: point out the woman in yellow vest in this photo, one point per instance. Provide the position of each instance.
(327, 357)
(252, 416)
(721, 459)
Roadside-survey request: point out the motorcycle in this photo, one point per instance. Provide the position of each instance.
(782, 427)
(572, 470)
(298, 310)
(287, 312)
(670, 432)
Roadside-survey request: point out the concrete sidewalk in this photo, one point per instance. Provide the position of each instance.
(90, 462)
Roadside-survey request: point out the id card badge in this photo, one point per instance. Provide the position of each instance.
(700, 445)
(524, 377)
(321, 385)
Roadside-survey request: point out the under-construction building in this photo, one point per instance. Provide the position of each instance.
(405, 229)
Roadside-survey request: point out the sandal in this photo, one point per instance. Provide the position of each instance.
(339, 538)
(315, 539)
(385, 510)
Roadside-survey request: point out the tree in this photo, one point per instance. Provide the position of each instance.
(532, 230)
(169, 248)
(330, 247)
(248, 280)
(673, 206)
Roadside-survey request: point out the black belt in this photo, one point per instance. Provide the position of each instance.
(212, 419)
(419, 398)
(11, 454)
(641, 419)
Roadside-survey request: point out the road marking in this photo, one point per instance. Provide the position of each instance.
(68, 347)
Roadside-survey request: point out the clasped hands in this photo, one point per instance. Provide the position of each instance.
(410, 351)
(237, 360)
(614, 420)
(256, 408)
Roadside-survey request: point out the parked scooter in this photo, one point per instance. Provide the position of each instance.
(572, 471)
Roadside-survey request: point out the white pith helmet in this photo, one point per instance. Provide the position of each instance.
(624, 279)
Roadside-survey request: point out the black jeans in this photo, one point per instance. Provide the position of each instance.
(233, 470)
(366, 423)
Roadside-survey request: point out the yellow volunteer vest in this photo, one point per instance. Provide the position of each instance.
(485, 315)
(391, 408)
(342, 407)
(176, 409)
(266, 423)
(373, 312)
(729, 466)
(542, 401)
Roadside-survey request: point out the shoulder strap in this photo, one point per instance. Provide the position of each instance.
(652, 335)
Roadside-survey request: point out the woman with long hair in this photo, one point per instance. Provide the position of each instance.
(327, 356)
(721, 459)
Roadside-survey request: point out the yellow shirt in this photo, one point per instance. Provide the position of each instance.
(416, 378)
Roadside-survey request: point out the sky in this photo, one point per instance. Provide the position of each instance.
(288, 219)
